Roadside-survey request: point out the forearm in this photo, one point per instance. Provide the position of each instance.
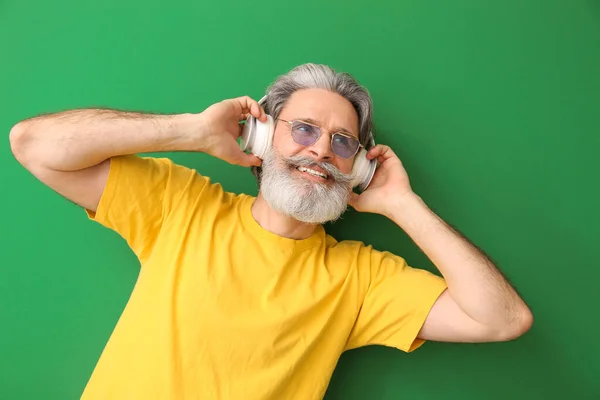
(77, 139)
(474, 283)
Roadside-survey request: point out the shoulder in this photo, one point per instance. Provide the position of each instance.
(186, 185)
(362, 255)
(152, 170)
(335, 245)
(352, 252)
(175, 173)
(356, 247)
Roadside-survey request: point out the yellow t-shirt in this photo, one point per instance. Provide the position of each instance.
(224, 309)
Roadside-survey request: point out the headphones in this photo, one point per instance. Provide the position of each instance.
(257, 137)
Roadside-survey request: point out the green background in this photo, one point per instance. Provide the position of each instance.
(494, 108)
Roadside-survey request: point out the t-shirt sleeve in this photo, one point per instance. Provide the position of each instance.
(139, 195)
(396, 304)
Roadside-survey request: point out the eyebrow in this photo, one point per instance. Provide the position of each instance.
(336, 129)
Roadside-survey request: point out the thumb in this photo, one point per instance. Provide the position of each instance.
(249, 160)
(353, 199)
(254, 161)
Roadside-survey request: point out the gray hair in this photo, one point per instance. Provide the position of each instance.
(317, 76)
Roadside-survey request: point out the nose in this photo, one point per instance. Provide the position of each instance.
(321, 149)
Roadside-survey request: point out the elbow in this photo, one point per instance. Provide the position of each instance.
(23, 144)
(519, 326)
(16, 138)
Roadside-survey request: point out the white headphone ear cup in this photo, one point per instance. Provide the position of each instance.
(359, 168)
(248, 134)
(363, 170)
(264, 137)
(257, 136)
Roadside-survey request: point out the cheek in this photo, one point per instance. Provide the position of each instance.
(284, 144)
(345, 166)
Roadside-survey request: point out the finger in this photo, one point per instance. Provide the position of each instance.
(251, 106)
(254, 161)
(258, 112)
(376, 151)
(381, 153)
(245, 102)
(245, 116)
(248, 160)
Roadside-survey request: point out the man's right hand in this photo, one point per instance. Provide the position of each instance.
(222, 129)
(70, 151)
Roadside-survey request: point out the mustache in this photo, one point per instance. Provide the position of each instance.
(330, 169)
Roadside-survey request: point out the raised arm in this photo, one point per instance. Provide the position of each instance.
(70, 151)
(479, 305)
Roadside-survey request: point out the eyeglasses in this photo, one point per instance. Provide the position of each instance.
(306, 134)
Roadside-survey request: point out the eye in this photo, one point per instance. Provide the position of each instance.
(344, 141)
(302, 127)
(344, 146)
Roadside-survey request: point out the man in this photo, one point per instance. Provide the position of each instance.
(248, 298)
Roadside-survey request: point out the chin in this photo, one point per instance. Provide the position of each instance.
(307, 202)
(307, 196)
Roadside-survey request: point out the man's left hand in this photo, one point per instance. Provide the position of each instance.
(389, 184)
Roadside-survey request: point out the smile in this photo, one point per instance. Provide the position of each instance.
(313, 172)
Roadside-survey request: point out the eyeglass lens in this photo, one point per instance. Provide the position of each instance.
(306, 134)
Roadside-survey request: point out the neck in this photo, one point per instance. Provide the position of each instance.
(278, 223)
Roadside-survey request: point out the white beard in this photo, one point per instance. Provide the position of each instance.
(304, 200)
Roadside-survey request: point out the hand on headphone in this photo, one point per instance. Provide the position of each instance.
(222, 129)
(389, 184)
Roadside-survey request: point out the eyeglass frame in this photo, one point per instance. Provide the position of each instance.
(341, 133)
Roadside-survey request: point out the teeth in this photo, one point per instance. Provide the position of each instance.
(312, 172)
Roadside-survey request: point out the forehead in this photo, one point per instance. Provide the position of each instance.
(329, 110)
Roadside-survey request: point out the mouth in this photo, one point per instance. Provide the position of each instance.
(313, 174)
